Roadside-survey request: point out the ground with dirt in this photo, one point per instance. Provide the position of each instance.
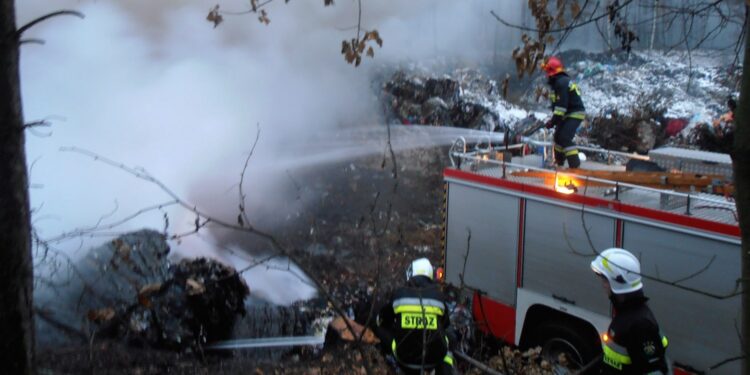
(367, 225)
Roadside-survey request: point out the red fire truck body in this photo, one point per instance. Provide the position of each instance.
(524, 248)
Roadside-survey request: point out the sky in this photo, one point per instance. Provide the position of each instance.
(151, 84)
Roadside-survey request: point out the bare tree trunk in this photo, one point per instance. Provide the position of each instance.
(16, 283)
(741, 160)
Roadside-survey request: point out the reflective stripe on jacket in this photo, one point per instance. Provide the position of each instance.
(416, 315)
(566, 99)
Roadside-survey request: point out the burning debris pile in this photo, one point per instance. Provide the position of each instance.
(464, 98)
(132, 292)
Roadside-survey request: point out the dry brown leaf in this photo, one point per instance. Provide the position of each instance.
(374, 35)
(101, 315)
(370, 52)
(263, 18)
(214, 16)
(339, 325)
(575, 9)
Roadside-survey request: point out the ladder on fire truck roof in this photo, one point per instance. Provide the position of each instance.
(696, 183)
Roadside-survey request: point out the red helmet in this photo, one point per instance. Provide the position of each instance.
(552, 65)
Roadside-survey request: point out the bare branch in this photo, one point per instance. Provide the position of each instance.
(242, 217)
(656, 278)
(728, 360)
(38, 123)
(698, 272)
(31, 41)
(251, 10)
(296, 184)
(45, 17)
(594, 19)
(97, 228)
(60, 325)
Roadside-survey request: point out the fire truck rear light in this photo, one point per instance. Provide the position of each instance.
(439, 274)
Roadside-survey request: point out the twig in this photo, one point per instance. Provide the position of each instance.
(45, 17)
(477, 364)
(62, 326)
(728, 360)
(261, 5)
(31, 41)
(242, 217)
(657, 279)
(531, 29)
(98, 228)
(38, 123)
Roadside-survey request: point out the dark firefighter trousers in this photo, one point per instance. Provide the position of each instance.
(444, 368)
(565, 149)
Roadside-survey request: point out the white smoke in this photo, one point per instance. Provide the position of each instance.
(152, 84)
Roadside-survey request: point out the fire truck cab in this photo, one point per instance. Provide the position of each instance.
(521, 240)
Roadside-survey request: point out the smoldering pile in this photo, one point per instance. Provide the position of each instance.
(463, 98)
(129, 290)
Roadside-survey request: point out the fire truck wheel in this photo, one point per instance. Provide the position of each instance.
(557, 338)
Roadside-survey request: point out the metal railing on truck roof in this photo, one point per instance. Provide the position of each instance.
(491, 162)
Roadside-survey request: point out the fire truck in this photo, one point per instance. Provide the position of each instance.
(520, 238)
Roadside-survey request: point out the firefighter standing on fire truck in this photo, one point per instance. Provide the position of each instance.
(568, 111)
(412, 324)
(633, 343)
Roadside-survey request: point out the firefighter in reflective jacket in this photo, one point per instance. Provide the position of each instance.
(568, 111)
(412, 325)
(633, 343)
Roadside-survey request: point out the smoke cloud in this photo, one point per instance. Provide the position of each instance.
(152, 84)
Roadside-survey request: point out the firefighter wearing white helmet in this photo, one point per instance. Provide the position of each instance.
(633, 343)
(412, 324)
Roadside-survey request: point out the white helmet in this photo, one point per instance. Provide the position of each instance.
(419, 267)
(621, 268)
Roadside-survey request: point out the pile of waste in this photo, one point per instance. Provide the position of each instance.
(637, 128)
(129, 290)
(514, 361)
(634, 102)
(692, 87)
(464, 98)
(645, 99)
